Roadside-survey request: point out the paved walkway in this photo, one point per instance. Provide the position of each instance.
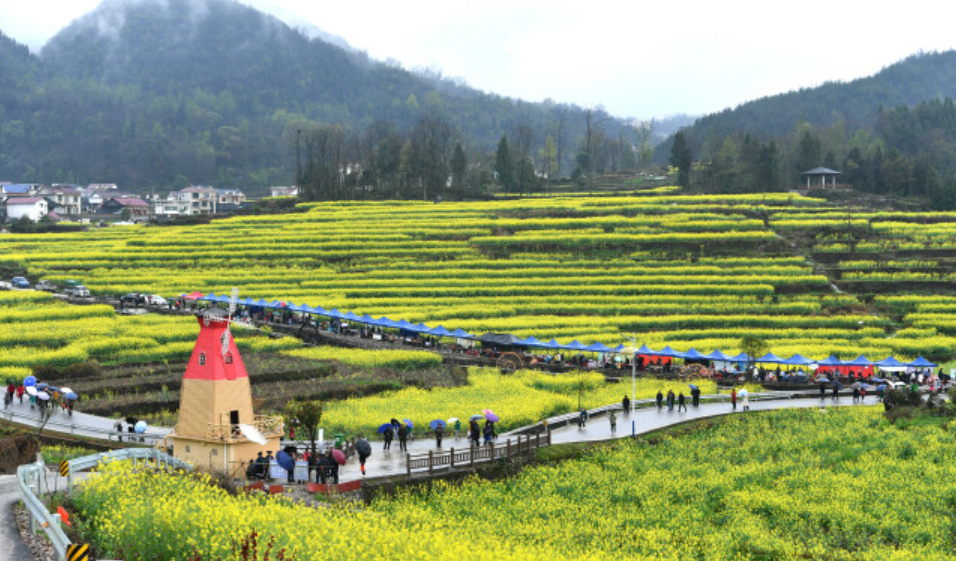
(392, 462)
(78, 424)
(11, 545)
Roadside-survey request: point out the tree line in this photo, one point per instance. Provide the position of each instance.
(435, 158)
(909, 152)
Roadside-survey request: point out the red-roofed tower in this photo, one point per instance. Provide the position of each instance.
(217, 426)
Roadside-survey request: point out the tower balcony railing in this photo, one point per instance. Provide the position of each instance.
(267, 425)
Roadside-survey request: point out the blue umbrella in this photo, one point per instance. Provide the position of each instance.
(52, 389)
(71, 396)
(437, 423)
(30, 381)
(140, 427)
(385, 428)
(692, 386)
(408, 423)
(42, 386)
(285, 461)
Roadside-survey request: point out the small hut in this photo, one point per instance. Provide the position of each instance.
(823, 178)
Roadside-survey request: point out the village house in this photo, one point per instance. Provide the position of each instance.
(33, 208)
(116, 205)
(65, 200)
(198, 200)
(292, 191)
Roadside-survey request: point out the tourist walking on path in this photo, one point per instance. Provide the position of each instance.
(388, 435)
(660, 399)
(680, 403)
(695, 396)
(626, 405)
(613, 419)
(746, 402)
(733, 398)
(862, 394)
(364, 450)
(836, 391)
(402, 438)
(856, 395)
(474, 433)
(487, 434)
(823, 390)
(438, 435)
(583, 418)
(457, 428)
(670, 400)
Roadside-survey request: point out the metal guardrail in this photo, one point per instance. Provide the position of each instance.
(34, 475)
(61, 425)
(27, 476)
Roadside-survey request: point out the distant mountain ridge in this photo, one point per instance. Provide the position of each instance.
(917, 78)
(157, 93)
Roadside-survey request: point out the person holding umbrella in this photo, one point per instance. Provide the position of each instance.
(457, 427)
(438, 435)
(695, 395)
(659, 399)
(387, 434)
(613, 419)
(626, 405)
(681, 404)
(745, 395)
(364, 450)
(670, 400)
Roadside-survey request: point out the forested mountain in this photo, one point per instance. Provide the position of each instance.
(157, 94)
(892, 133)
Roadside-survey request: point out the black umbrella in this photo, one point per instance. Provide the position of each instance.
(363, 447)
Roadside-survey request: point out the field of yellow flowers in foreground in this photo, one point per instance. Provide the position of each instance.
(798, 484)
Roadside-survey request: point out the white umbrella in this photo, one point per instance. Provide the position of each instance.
(43, 395)
(453, 420)
(65, 391)
(743, 393)
(31, 390)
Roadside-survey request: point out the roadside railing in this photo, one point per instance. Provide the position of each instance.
(31, 479)
(469, 456)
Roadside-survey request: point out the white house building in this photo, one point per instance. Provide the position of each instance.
(67, 198)
(292, 191)
(33, 208)
(199, 200)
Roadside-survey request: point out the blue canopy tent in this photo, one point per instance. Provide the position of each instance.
(421, 327)
(742, 357)
(352, 316)
(668, 352)
(440, 331)
(368, 320)
(407, 325)
(890, 362)
(859, 361)
(832, 360)
(552, 344)
(275, 304)
(248, 301)
(798, 360)
(334, 313)
(599, 348)
(261, 303)
(385, 322)
(575, 346)
(318, 310)
(717, 355)
(921, 363)
(531, 342)
(692, 354)
(461, 334)
(645, 350)
(771, 358)
(620, 348)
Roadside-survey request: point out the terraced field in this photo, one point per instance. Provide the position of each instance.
(688, 271)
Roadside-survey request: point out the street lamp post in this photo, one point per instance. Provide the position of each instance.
(633, 371)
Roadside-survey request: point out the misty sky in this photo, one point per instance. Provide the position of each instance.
(636, 59)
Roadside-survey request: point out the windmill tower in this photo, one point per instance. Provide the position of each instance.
(217, 426)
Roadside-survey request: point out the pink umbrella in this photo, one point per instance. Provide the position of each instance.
(339, 457)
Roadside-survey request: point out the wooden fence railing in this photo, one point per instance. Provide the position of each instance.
(469, 456)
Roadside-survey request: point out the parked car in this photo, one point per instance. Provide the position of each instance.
(78, 291)
(46, 285)
(70, 283)
(156, 300)
(133, 299)
(20, 282)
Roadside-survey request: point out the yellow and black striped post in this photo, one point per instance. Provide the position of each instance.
(65, 468)
(78, 552)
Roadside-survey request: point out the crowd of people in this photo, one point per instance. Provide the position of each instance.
(55, 400)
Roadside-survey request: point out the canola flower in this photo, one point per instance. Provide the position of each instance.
(789, 485)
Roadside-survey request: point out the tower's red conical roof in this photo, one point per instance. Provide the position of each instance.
(207, 361)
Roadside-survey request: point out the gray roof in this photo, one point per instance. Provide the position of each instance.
(821, 171)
